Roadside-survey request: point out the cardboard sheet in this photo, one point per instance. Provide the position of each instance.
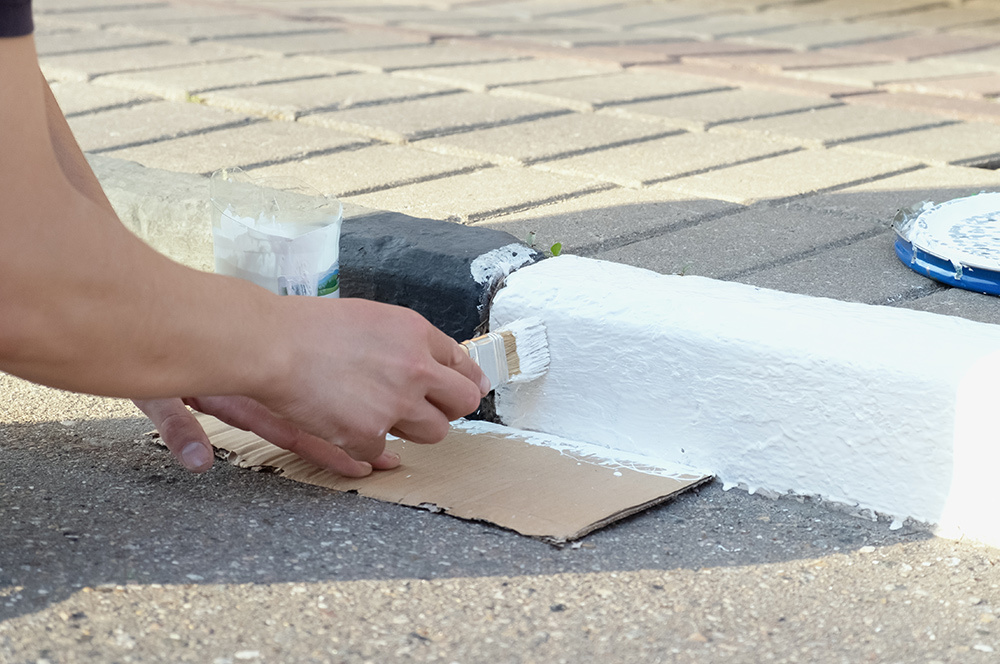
(486, 473)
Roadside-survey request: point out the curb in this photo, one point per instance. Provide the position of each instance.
(883, 409)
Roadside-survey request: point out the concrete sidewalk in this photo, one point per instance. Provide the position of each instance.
(769, 143)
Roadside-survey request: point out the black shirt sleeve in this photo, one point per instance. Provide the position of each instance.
(15, 18)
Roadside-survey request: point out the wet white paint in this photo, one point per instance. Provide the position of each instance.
(494, 265)
(965, 231)
(586, 452)
(884, 408)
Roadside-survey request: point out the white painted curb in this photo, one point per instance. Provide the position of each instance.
(892, 410)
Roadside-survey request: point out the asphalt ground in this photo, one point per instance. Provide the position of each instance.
(113, 554)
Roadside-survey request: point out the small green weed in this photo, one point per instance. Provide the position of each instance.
(554, 250)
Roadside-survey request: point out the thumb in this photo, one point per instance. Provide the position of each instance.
(180, 432)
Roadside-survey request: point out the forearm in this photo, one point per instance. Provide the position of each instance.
(88, 307)
(67, 151)
(84, 304)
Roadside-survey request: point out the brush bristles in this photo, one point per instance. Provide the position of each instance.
(526, 348)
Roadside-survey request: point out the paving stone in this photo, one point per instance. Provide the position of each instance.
(539, 9)
(833, 125)
(79, 98)
(662, 159)
(84, 66)
(431, 116)
(44, 7)
(956, 109)
(965, 143)
(329, 41)
(847, 10)
(232, 26)
(881, 199)
(370, 13)
(722, 26)
(675, 49)
(944, 18)
(961, 303)
(912, 47)
(754, 79)
(700, 112)
(544, 139)
(486, 26)
(527, 10)
(482, 77)
(140, 14)
(180, 83)
(985, 60)
(622, 16)
(87, 41)
(586, 224)
(880, 74)
(578, 38)
(46, 25)
(610, 55)
(478, 195)
(732, 245)
(864, 271)
(371, 169)
(776, 62)
(422, 55)
(977, 86)
(288, 100)
(587, 94)
(455, 21)
(154, 121)
(245, 146)
(824, 35)
(789, 175)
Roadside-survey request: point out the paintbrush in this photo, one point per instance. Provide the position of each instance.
(515, 353)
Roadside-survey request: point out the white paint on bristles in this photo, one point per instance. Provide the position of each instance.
(886, 409)
(532, 348)
(584, 452)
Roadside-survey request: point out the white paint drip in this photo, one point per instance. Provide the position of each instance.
(885, 409)
(585, 452)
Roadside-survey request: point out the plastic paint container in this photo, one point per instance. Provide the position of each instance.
(276, 232)
(956, 242)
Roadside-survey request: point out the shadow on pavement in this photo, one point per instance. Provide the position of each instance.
(97, 503)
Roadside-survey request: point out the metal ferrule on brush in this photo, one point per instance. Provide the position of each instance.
(488, 352)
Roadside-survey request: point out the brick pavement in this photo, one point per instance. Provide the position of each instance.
(767, 141)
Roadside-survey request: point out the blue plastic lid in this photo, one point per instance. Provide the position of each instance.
(956, 242)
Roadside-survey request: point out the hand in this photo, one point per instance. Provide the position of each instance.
(351, 371)
(186, 439)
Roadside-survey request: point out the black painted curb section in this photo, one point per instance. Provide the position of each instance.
(422, 264)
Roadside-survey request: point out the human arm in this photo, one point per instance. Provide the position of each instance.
(86, 306)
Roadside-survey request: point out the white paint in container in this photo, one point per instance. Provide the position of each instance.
(278, 233)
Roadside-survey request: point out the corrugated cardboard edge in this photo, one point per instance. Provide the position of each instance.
(491, 476)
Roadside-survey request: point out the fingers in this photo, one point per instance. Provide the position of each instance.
(428, 427)
(450, 353)
(180, 432)
(249, 415)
